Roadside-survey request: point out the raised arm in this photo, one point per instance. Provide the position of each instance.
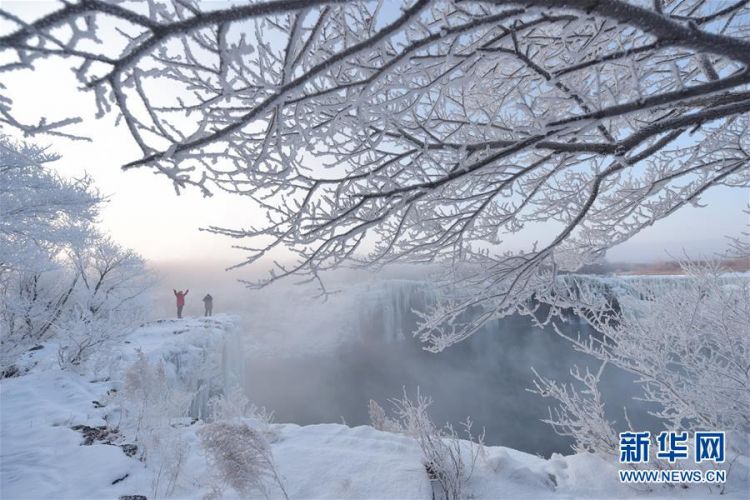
(175, 291)
(186, 292)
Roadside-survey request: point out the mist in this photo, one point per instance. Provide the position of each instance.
(313, 360)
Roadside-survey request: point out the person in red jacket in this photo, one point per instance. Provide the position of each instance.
(180, 301)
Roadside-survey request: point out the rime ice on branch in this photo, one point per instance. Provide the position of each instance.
(59, 277)
(428, 133)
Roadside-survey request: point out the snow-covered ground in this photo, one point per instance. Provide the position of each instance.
(43, 456)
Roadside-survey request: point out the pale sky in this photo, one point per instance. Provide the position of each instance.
(145, 214)
(143, 211)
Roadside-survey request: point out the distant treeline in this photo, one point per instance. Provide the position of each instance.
(661, 267)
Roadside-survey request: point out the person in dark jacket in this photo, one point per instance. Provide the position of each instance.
(180, 301)
(208, 304)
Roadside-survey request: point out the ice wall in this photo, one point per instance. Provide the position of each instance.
(203, 356)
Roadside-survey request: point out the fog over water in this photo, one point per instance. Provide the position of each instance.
(313, 361)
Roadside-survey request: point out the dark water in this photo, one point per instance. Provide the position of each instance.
(485, 377)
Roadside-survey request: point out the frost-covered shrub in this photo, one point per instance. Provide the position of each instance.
(84, 334)
(230, 405)
(108, 301)
(150, 409)
(380, 421)
(31, 304)
(148, 399)
(85, 299)
(168, 452)
(580, 414)
(234, 405)
(448, 459)
(241, 458)
(686, 339)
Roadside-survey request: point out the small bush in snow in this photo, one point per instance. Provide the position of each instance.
(241, 457)
(448, 459)
(150, 407)
(230, 405)
(234, 405)
(148, 399)
(108, 301)
(380, 421)
(168, 452)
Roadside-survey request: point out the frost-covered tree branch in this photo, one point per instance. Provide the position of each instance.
(42, 213)
(685, 339)
(432, 132)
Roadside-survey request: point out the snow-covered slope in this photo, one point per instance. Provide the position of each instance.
(58, 438)
(41, 455)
